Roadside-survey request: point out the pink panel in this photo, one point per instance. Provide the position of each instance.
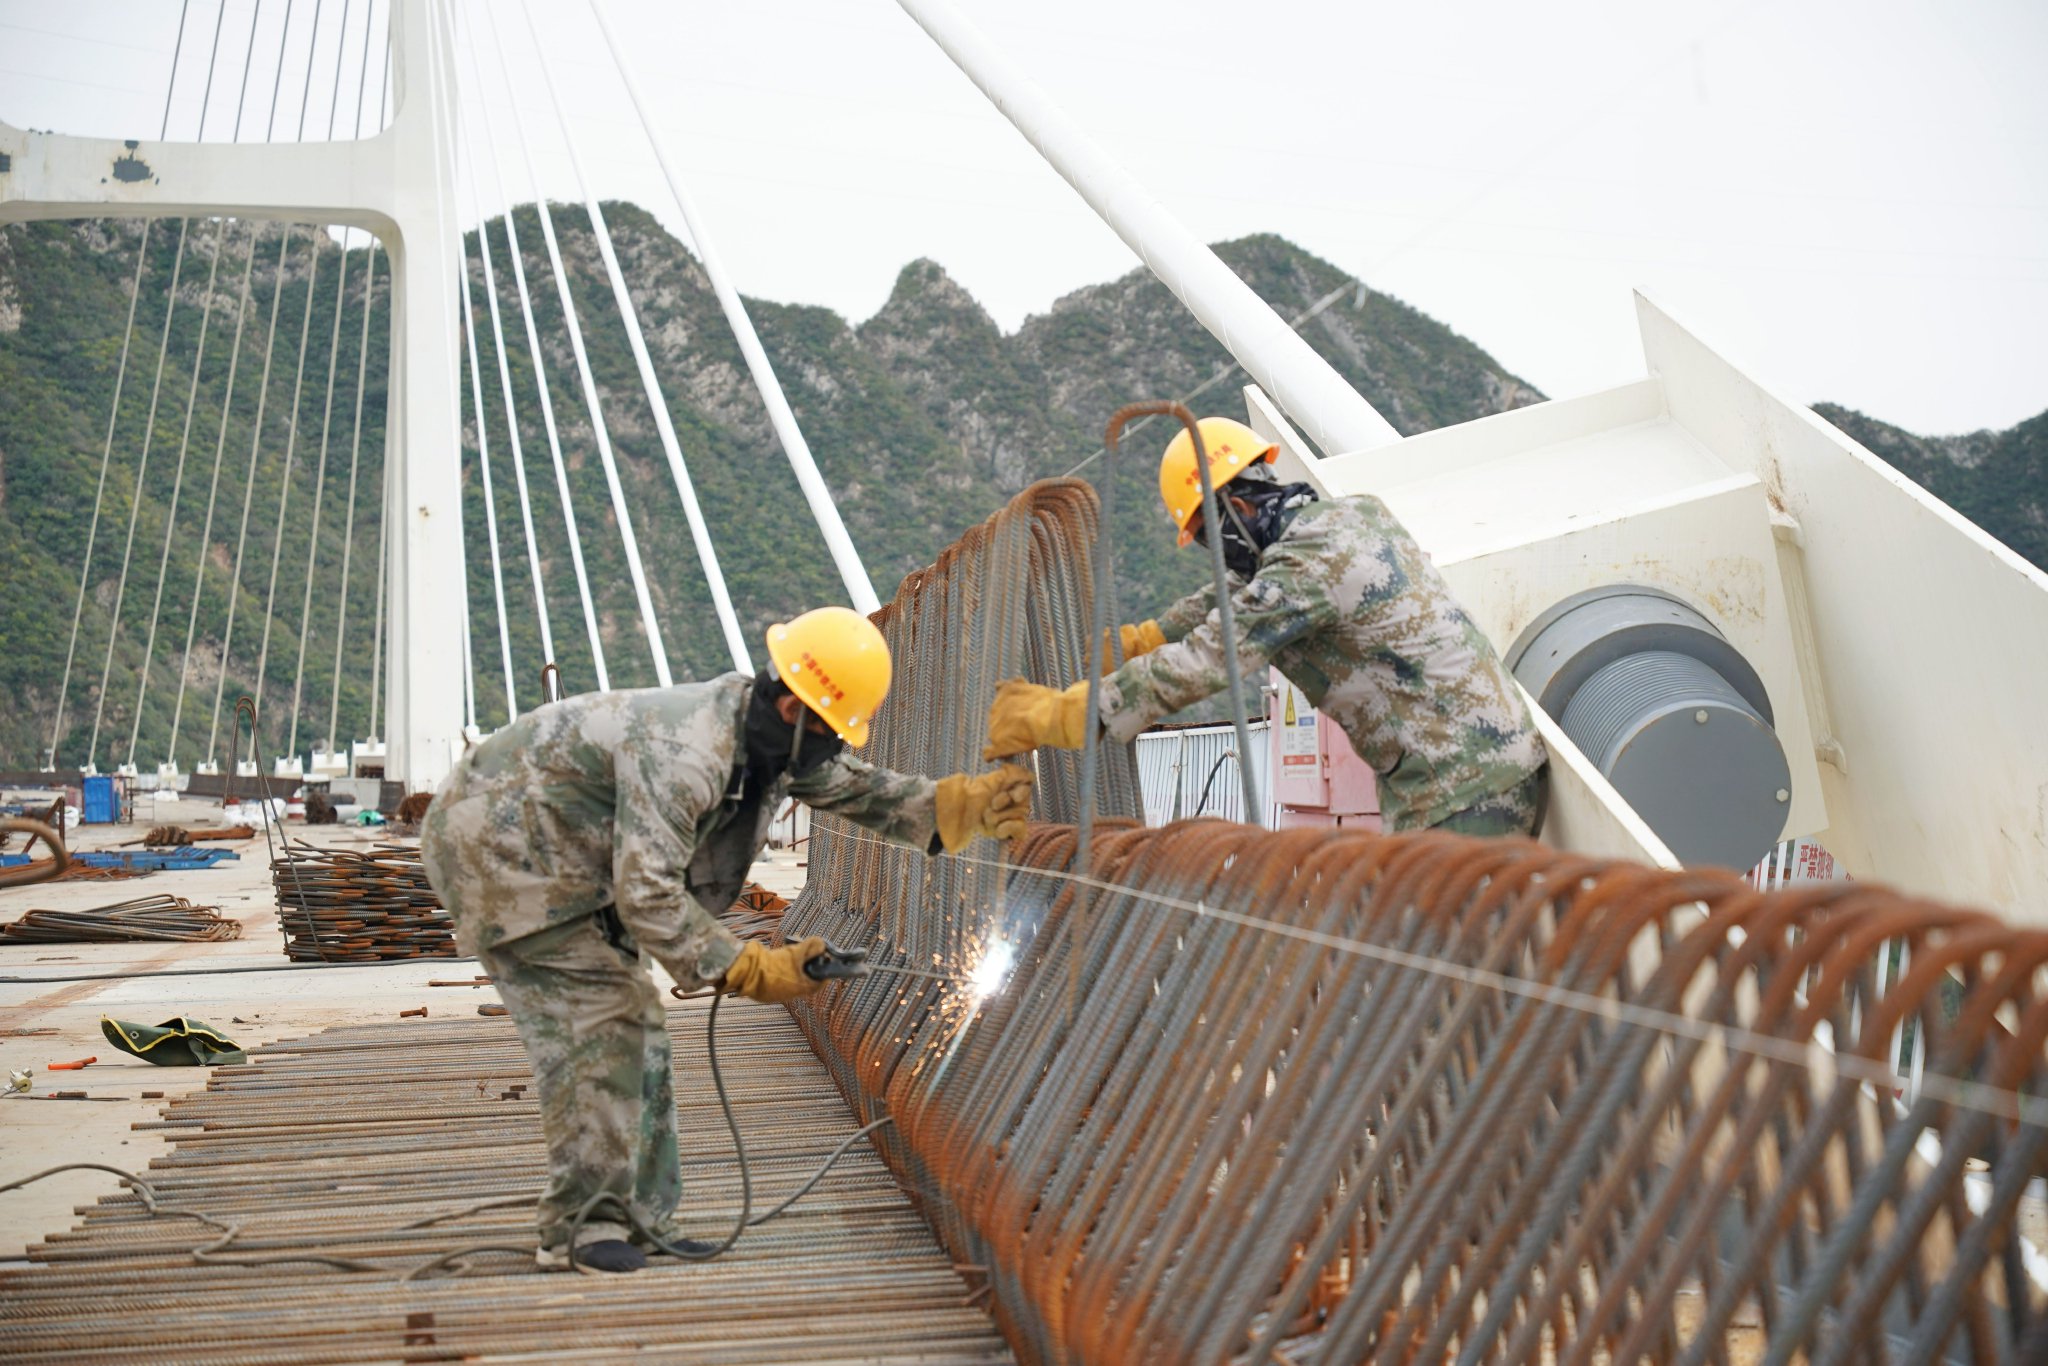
(1314, 767)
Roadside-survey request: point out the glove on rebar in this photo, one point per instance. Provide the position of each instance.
(1141, 639)
(1027, 715)
(994, 804)
(774, 975)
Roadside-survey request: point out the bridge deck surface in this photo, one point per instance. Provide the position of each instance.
(333, 1143)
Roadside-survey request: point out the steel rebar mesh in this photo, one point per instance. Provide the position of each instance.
(1414, 1098)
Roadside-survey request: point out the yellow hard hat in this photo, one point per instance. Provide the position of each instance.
(836, 662)
(1231, 446)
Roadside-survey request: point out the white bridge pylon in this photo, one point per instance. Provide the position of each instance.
(400, 186)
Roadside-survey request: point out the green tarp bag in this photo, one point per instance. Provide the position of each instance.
(179, 1042)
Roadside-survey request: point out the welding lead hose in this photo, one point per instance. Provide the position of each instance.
(689, 1249)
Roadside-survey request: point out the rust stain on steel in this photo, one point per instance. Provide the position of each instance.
(1411, 1098)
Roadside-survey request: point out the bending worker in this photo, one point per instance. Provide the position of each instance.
(597, 830)
(1337, 596)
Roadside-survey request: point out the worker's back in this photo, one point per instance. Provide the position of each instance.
(1397, 663)
(534, 810)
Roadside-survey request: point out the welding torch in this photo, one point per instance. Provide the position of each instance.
(836, 964)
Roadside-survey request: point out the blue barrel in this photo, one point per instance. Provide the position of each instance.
(100, 806)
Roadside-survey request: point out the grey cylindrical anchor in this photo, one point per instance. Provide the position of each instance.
(1669, 711)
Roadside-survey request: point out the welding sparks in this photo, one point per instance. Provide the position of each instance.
(992, 971)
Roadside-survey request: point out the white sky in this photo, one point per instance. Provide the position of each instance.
(1849, 198)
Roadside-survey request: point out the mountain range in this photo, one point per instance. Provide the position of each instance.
(923, 418)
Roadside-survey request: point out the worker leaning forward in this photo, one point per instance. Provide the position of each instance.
(1339, 597)
(605, 827)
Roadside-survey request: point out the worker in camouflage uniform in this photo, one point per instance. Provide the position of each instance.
(599, 830)
(1337, 596)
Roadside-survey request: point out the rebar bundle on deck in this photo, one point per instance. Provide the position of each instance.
(344, 906)
(1415, 1098)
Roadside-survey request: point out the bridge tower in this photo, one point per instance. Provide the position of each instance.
(400, 185)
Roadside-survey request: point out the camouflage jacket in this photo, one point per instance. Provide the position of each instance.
(631, 799)
(1348, 607)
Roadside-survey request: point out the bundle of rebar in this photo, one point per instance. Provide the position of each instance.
(148, 917)
(351, 906)
(1347, 1097)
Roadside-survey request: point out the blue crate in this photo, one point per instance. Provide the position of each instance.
(157, 860)
(102, 806)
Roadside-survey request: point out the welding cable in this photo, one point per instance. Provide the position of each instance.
(687, 1249)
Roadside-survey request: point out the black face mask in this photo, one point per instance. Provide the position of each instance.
(1247, 534)
(773, 745)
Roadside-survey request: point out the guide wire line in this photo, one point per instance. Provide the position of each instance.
(1811, 1055)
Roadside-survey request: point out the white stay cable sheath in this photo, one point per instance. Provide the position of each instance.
(163, 566)
(1330, 412)
(377, 631)
(135, 509)
(220, 447)
(355, 451)
(483, 462)
(547, 403)
(99, 495)
(262, 393)
(327, 404)
(291, 440)
(823, 506)
(284, 487)
(443, 104)
(227, 640)
(707, 554)
(589, 382)
(483, 245)
(227, 408)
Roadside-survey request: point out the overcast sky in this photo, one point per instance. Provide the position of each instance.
(1849, 198)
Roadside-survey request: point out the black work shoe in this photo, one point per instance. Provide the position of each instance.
(685, 1247)
(612, 1254)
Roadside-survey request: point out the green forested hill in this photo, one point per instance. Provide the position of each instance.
(1999, 480)
(923, 419)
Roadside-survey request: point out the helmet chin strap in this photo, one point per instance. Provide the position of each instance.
(796, 731)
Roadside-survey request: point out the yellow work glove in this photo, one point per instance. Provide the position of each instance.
(994, 804)
(1027, 715)
(1141, 639)
(774, 975)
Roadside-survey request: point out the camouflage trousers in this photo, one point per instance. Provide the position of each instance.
(592, 1021)
(1517, 811)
